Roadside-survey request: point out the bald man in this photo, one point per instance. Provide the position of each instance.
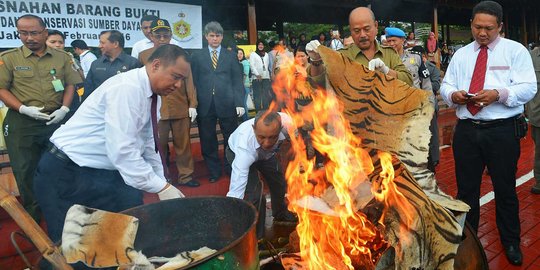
(365, 49)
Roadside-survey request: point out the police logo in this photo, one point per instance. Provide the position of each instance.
(182, 29)
(160, 23)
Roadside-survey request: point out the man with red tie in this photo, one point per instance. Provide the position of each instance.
(488, 82)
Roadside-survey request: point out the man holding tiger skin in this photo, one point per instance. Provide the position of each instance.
(365, 50)
(488, 82)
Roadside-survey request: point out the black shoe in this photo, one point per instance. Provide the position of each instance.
(213, 179)
(286, 218)
(514, 255)
(190, 183)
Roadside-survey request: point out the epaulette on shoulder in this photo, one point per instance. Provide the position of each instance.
(386, 47)
(8, 51)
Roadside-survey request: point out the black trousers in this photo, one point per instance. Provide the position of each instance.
(274, 177)
(209, 141)
(497, 147)
(59, 183)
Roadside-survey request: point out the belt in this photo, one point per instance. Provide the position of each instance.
(490, 123)
(58, 153)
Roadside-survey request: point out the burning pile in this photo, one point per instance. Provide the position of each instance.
(361, 208)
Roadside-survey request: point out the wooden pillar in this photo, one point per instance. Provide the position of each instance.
(436, 31)
(448, 35)
(252, 23)
(523, 26)
(535, 27)
(279, 29)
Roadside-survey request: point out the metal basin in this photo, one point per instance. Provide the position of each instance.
(224, 224)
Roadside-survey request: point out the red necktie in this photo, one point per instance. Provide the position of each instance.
(478, 78)
(153, 115)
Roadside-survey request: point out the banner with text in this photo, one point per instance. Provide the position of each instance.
(86, 21)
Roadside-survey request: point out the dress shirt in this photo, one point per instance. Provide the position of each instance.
(145, 44)
(112, 130)
(87, 57)
(509, 70)
(247, 151)
(336, 44)
(259, 65)
(210, 50)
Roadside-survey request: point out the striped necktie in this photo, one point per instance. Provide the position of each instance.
(214, 59)
(478, 78)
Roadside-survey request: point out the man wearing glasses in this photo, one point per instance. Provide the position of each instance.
(177, 109)
(37, 84)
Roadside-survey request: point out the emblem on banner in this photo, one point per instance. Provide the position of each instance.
(181, 28)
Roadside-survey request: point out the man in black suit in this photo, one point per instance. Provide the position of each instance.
(220, 92)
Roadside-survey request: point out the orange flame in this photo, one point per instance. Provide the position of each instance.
(341, 237)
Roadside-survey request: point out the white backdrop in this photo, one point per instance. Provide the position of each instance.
(86, 19)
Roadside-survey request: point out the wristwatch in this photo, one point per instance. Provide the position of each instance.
(498, 95)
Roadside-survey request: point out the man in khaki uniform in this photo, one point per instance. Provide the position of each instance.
(365, 49)
(37, 84)
(174, 116)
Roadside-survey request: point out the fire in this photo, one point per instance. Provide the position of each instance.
(334, 235)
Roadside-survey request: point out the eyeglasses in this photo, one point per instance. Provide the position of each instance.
(31, 33)
(162, 36)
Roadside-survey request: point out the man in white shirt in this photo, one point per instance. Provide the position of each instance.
(146, 43)
(106, 154)
(488, 82)
(85, 55)
(252, 149)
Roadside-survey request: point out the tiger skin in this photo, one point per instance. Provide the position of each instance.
(388, 115)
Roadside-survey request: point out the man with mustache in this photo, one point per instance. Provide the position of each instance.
(365, 49)
(37, 84)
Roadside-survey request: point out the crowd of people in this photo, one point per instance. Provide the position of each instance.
(116, 144)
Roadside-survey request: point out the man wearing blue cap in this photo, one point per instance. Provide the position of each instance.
(395, 38)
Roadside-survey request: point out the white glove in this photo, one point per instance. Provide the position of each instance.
(240, 111)
(378, 64)
(34, 112)
(170, 193)
(312, 48)
(192, 113)
(58, 115)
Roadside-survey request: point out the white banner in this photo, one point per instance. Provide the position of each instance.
(86, 21)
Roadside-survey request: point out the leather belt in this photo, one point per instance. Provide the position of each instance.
(490, 123)
(58, 153)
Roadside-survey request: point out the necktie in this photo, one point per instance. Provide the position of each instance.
(214, 59)
(153, 115)
(478, 78)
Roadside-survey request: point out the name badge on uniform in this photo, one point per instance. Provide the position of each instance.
(57, 84)
(22, 68)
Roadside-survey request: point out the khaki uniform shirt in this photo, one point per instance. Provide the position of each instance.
(28, 76)
(533, 106)
(387, 54)
(176, 104)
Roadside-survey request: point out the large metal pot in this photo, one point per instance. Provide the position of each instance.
(225, 224)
